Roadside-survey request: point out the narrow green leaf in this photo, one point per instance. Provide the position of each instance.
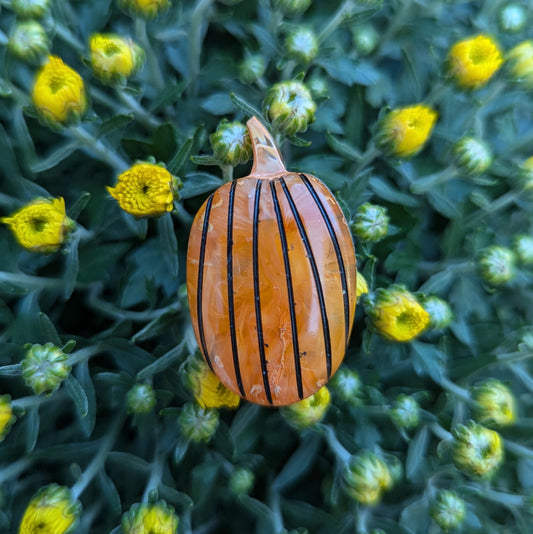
(343, 149)
(31, 429)
(256, 507)
(168, 243)
(416, 454)
(84, 376)
(162, 363)
(56, 157)
(109, 492)
(49, 330)
(119, 122)
(79, 205)
(73, 266)
(208, 161)
(298, 141)
(246, 108)
(78, 395)
(198, 183)
(179, 159)
(386, 192)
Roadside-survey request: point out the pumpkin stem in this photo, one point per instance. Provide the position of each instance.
(267, 159)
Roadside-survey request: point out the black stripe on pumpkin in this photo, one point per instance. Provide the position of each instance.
(231, 307)
(290, 290)
(316, 276)
(257, 297)
(199, 293)
(338, 253)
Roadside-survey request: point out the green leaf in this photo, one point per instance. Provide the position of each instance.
(428, 360)
(129, 461)
(255, 507)
(84, 376)
(218, 104)
(416, 455)
(208, 161)
(179, 159)
(79, 205)
(300, 462)
(298, 141)
(247, 109)
(73, 265)
(118, 122)
(161, 364)
(386, 192)
(31, 428)
(198, 183)
(49, 330)
(168, 243)
(78, 395)
(343, 149)
(56, 157)
(109, 492)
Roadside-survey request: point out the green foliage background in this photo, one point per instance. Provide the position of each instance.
(117, 289)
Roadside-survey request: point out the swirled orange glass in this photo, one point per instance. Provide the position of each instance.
(271, 280)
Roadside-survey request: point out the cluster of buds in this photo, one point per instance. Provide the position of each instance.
(309, 411)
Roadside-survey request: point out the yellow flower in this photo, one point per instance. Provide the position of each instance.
(58, 93)
(40, 226)
(6, 415)
(158, 518)
(366, 477)
(473, 61)
(520, 62)
(404, 131)
(114, 58)
(207, 389)
(147, 9)
(494, 403)
(145, 190)
(309, 411)
(397, 315)
(361, 285)
(51, 510)
(476, 450)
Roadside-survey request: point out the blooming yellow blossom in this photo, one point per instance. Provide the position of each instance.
(404, 131)
(366, 477)
(472, 62)
(6, 415)
(58, 93)
(520, 63)
(52, 510)
(309, 411)
(41, 225)
(207, 389)
(158, 518)
(145, 190)
(397, 315)
(147, 9)
(114, 58)
(476, 450)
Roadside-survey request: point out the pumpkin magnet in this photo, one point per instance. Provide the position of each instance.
(271, 280)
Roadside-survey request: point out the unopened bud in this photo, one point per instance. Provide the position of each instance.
(45, 367)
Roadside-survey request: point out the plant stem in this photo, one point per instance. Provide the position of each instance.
(151, 57)
(97, 149)
(156, 474)
(428, 182)
(370, 154)
(455, 390)
(340, 452)
(98, 461)
(498, 204)
(14, 469)
(440, 432)
(338, 18)
(138, 111)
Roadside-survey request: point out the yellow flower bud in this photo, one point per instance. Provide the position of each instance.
(145, 190)
(6, 416)
(361, 285)
(51, 509)
(403, 132)
(478, 451)
(366, 477)
(494, 403)
(473, 61)
(41, 225)
(309, 411)
(158, 518)
(114, 58)
(396, 314)
(146, 9)
(520, 63)
(58, 93)
(208, 390)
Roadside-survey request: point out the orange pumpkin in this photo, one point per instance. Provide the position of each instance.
(271, 280)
